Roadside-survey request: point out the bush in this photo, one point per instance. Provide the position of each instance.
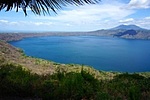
(17, 82)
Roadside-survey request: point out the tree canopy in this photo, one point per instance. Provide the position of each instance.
(41, 6)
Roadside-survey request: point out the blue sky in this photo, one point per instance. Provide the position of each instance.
(105, 15)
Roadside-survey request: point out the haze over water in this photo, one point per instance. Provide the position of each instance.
(102, 53)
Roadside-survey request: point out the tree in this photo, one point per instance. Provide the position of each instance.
(41, 6)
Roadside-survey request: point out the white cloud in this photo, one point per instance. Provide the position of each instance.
(145, 22)
(147, 18)
(22, 23)
(90, 14)
(126, 20)
(139, 4)
(142, 22)
(7, 22)
(3, 21)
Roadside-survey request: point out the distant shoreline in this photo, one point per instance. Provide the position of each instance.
(8, 37)
(143, 35)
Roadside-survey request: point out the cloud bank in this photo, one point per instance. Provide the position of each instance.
(91, 16)
(104, 15)
(137, 4)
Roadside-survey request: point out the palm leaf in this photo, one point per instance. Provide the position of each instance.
(41, 6)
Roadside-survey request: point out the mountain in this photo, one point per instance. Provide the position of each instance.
(128, 32)
(127, 27)
(124, 31)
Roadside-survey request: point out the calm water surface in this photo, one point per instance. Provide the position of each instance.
(102, 53)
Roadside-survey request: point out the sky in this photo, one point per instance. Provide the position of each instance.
(104, 15)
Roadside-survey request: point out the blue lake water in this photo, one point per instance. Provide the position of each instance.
(102, 53)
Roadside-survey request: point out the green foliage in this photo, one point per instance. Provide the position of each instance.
(15, 81)
(18, 82)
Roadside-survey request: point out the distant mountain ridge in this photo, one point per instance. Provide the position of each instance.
(124, 31)
(127, 27)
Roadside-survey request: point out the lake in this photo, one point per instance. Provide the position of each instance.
(102, 53)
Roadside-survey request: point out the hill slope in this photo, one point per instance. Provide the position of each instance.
(11, 55)
(127, 27)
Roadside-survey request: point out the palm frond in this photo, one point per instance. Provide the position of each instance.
(41, 6)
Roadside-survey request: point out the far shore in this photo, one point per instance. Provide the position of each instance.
(8, 37)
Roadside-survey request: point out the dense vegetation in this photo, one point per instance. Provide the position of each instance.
(17, 82)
